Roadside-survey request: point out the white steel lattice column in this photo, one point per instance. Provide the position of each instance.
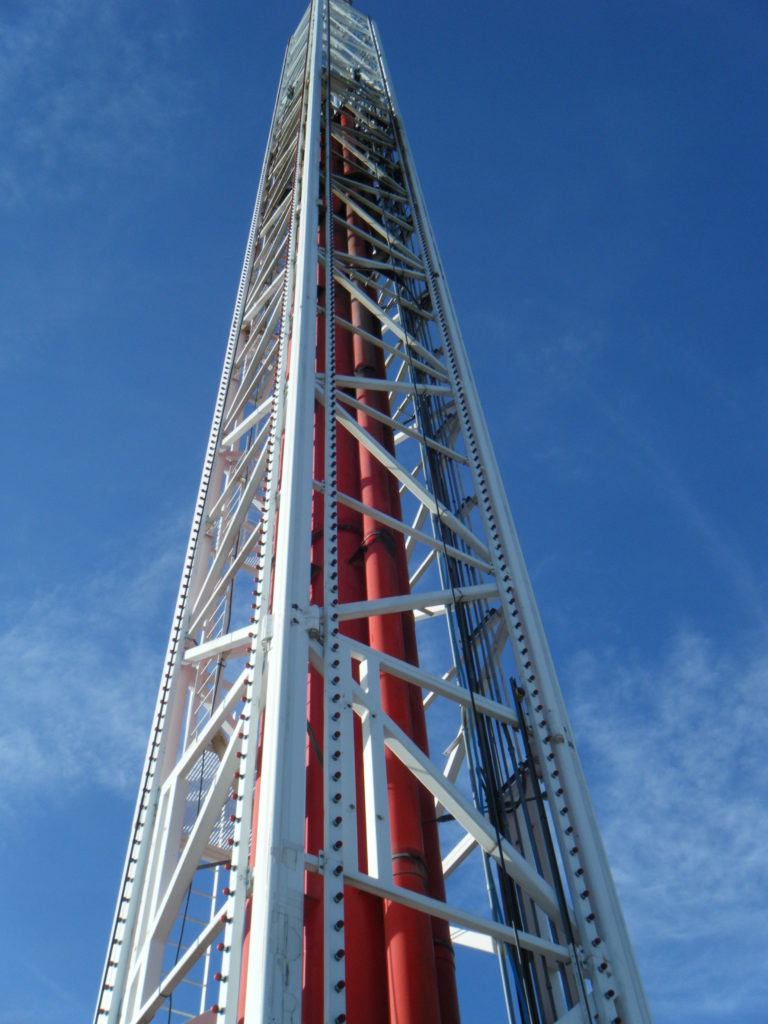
(353, 599)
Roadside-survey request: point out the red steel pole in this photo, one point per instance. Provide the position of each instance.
(366, 993)
(445, 961)
(412, 973)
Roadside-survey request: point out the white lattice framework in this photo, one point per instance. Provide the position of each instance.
(244, 633)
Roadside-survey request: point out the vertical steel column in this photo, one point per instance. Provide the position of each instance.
(338, 576)
(274, 961)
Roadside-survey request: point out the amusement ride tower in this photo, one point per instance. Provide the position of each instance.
(360, 758)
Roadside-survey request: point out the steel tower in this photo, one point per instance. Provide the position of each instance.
(353, 601)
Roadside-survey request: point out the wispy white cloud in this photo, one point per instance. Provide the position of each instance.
(81, 665)
(82, 84)
(717, 544)
(673, 748)
(562, 374)
(48, 1001)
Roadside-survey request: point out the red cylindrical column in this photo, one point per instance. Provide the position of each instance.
(445, 961)
(366, 992)
(413, 989)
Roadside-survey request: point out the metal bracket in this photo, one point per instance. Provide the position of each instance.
(311, 618)
(266, 639)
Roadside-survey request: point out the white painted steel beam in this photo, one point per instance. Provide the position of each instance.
(456, 857)
(406, 479)
(238, 640)
(179, 971)
(425, 601)
(468, 920)
(412, 533)
(470, 819)
(401, 430)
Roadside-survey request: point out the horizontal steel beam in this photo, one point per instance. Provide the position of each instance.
(456, 915)
(424, 600)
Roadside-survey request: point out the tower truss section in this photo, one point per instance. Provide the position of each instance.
(360, 758)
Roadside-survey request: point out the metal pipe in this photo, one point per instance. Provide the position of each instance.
(366, 991)
(412, 974)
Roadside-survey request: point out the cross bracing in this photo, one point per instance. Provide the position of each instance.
(353, 602)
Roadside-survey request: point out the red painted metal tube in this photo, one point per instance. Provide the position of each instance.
(366, 993)
(412, 972)
(445, 961)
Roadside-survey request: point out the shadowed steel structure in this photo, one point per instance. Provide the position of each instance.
(360, 756)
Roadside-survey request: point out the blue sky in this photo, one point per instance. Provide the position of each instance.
(595, 175)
